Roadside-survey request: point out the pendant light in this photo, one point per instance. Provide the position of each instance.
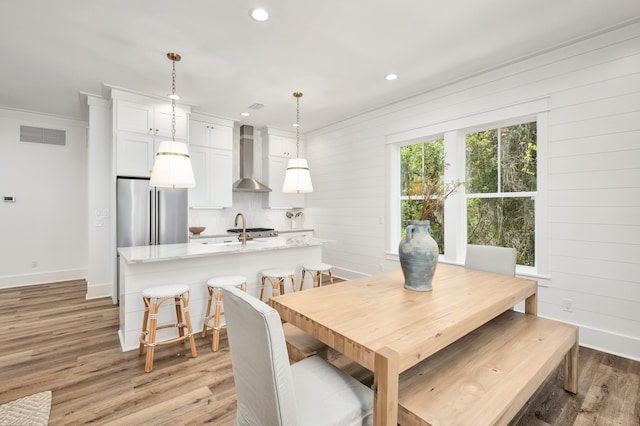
(297, 179)
(172, 166)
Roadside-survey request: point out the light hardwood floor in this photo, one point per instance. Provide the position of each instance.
(54, 339)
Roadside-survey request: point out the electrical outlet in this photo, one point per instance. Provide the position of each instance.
(34, 263)
(567, 305)
(381, 267)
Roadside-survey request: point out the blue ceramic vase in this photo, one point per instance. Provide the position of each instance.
(418, 253)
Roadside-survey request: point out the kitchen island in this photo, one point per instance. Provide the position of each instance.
(193, 264)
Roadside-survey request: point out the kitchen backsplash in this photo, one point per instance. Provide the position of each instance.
(217, 221)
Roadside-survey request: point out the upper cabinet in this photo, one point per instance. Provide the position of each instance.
(280, 146)
(210, 148)
(134, 117)
(210, 134)
(152, 118)
(135, 154)
(140, 123)
(162, 115)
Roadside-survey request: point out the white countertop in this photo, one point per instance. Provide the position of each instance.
(166, 252)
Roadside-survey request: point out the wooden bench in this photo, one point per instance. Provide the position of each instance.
(301, 345)
(487, 376)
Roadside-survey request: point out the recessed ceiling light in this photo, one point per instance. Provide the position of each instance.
(258, 14)
(391, 77)
(245, 114)
(296, 125)
(174, 97)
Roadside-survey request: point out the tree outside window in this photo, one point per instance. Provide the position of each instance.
(501, 188)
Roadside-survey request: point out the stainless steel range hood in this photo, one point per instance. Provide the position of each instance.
(247, 183)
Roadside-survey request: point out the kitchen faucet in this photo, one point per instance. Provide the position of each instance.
(242, 237)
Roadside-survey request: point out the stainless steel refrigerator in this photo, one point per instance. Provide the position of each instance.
(149, 215)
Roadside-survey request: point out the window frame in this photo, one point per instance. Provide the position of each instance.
(454, 135)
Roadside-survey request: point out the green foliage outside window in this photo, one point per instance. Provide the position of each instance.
(501, 162)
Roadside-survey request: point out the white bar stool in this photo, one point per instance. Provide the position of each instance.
(214, 285)
(277, 278)
(153, 297)
(316, 270)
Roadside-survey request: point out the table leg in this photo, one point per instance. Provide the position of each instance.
(386, 377)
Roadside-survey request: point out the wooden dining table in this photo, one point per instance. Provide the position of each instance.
(388, 329)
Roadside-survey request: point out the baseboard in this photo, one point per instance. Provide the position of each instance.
(42, 278)
(612, 343)
(97, 291)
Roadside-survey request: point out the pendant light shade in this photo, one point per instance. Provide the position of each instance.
(172, 166)
(297, 178)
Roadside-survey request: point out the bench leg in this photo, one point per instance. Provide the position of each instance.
(571, 369)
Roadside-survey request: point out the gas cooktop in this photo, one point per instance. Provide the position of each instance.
(256, 232)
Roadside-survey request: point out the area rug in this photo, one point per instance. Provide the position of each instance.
(31, 410)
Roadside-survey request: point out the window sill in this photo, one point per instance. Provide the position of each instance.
(521, 271)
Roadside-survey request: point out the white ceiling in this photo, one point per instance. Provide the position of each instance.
(336, 52)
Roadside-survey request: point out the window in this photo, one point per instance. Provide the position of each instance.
(501, 185)
(499, 203)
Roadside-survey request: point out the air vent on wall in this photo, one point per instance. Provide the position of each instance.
(42, 135)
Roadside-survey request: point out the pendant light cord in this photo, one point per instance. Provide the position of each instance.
(297, 95)
(173, 102)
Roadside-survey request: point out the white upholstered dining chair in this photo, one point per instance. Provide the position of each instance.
(272, 392)
(501, 260)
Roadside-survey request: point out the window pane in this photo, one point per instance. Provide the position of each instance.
(421, 161)
(503, 222)
(518, 158)
(482, 162)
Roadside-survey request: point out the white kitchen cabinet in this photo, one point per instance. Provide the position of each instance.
(134, 117)
(162, 116)
(135, 154)
(278, 199)
(297, 234)
(210, 148)
(280, 146)
(150, 118)
(212, 170)
(210, 134)
(214, 240)
(140, 124)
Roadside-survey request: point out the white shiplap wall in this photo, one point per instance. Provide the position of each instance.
(593, 178)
